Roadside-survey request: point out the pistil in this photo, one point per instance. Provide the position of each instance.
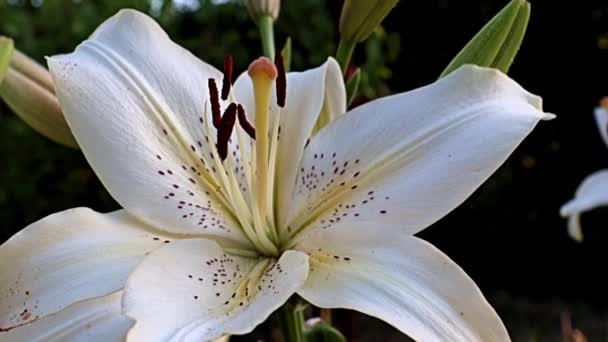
(263, 73)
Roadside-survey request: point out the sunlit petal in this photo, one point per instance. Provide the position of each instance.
(411, 158)
(135, 102)
(95, 320)
(68, 257)
(384, 272)
(193, 290)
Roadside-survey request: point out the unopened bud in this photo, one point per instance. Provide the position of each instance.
(6, 52)
(27, 88)
(497, 43)
(259, 8)
(359, 18)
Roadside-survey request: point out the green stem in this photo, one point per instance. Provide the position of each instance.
(345, 53)
(291, 319)
(265, 23)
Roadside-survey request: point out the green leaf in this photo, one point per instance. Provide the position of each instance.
(497, 43)
(286, 52)
(352, 86)
(6, 53)
(323, 332)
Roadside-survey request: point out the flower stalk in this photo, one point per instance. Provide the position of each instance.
(266, 26)
(291, 322)
(345, 53)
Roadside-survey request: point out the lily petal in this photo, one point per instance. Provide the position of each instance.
(136, 103)
(411, 158)
(591, 193)
(601, 119)
(97, 319)
(192, 290)
(308, 94)
(386, 273)
(67, 257)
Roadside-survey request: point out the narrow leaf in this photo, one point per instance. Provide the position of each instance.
(286, 52)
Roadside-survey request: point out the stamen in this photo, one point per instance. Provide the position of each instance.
(227, 82)
(225, 131)
(215, 103)
(281, 82)
(247, 127)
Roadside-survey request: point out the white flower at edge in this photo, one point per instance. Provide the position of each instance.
(593, 190)
(205, 247)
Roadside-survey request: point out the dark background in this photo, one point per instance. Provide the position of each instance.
(508, 236)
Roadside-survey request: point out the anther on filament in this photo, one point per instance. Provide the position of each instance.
(227, 82)
(225, 130)
(281, 82)
(247, 127)
(215, 103)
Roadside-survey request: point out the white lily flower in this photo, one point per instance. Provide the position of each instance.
(207, 247)
(593, 190)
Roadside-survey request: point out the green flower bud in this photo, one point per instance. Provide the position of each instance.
(6, 52)
(27, 88)
(359, 18)
(498, 41)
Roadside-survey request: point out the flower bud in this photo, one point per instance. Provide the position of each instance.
(6, 52)
(359, 18)
(27, 88)
(497, 43)
(259, 8)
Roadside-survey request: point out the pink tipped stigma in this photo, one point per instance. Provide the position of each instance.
(262, 66)
(227, 82)
(215, 103)
(281, 82)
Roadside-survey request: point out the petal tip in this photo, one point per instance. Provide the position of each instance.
(547, 116)
(564, 211)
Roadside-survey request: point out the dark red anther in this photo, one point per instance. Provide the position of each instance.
(247, 127)
(215, 103)
(227, 82)
(281, 81)
(225, 130)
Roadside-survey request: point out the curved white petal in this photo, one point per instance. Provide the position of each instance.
(591, 193)
(135, 102)
(68, 257)
(192, 290)
(411, 158)
(574, 227)
(95, 320)
(601, 119)
(386, 273)
(308, 94)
